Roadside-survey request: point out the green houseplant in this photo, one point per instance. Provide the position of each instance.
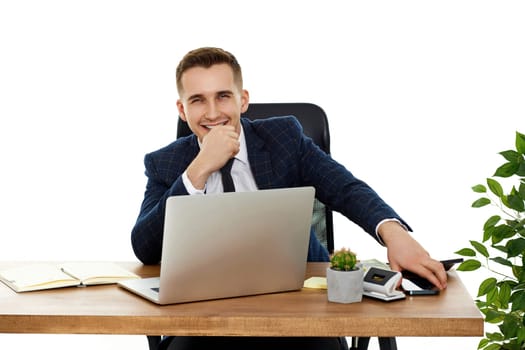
(501, 297)
(344, 277)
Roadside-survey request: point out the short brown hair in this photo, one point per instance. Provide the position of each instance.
(206, 57)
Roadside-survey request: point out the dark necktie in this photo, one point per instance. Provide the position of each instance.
(227, 181)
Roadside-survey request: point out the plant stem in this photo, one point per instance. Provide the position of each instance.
(497, 272)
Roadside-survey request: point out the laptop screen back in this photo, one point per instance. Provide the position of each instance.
(235, 244)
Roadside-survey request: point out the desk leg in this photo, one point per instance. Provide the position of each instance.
(360, 343)
(388, 343)
(153, 341)
(385, 343)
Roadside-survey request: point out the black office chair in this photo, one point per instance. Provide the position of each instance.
(314, 121)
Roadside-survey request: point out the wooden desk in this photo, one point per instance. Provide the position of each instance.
(112, 310)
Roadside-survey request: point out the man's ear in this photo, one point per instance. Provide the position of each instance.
(180, 108)
(245, 100)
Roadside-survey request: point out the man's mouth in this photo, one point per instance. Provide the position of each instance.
(210, 126)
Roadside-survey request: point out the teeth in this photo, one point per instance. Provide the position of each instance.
(212, 126)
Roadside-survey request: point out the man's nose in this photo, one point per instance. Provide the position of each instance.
(213, 111)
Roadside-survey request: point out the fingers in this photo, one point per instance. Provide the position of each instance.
(433, 271)
(224, 138)
(405, 253)
(220, 144)
(424, 266)
(437, 275)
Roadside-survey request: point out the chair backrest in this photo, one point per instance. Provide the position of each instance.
(315, 124)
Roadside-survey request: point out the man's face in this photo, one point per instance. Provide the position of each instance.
(210, 97)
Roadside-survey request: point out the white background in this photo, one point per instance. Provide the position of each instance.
(420, 95)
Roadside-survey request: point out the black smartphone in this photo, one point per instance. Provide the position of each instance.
(451, 262)
(427, 288)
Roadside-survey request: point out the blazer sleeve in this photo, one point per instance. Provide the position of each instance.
(297, 161)
(338, 188)
(163, 171)
(283, 156)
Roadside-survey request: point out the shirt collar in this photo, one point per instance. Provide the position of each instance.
(243, 151)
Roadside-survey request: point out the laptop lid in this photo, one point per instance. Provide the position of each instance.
(232, 244)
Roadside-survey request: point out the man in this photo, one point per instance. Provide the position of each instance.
(269, 153)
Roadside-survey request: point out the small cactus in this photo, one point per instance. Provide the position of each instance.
(343, 260)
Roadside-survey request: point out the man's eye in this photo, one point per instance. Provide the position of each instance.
(223, 96)
(195, 100)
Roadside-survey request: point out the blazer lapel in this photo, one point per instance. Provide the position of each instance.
(258, 156)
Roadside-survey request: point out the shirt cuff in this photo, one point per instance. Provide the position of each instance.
(189, 186)
(386, 220)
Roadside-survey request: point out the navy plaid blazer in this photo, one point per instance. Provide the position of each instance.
(280, 155)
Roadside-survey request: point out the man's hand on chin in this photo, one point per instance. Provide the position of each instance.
(217, 147)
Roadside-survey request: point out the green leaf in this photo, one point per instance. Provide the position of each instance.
(521, 170)
(480, 248)
(515, 202)
(494, 336)
(482, 343)
(521, 335)
(511, 155)
(518, 300)
(483, 201)
(510, 326)
(505, 201)
(515, 286)
(469, 265)
(516, 224)
(487, 343)
(517, 271)
(486, 286)
(501, 232)
(501, 248)
(504, 295)
(481, 306)
(520, 143)
(487, 233)
(513, 319)
(516, 247)
(494, 346)
(502, 261)
(479, 189)
(494, 316)
(507, 170)
(492, 221)
(466, 252)
(492, 298)
(495, 187)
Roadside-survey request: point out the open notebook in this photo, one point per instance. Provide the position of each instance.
(39, 276)
(231, 244)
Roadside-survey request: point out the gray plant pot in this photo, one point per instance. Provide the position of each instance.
(344, 286)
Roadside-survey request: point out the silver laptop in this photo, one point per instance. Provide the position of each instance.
(231, 244)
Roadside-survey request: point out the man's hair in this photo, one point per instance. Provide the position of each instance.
(206, 57)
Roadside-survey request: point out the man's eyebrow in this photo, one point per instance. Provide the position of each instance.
(195, 96)
(200, 96)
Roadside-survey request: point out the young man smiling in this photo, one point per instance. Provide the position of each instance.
(211, 102)
(269, 153)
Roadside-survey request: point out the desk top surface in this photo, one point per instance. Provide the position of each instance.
(109, 309)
